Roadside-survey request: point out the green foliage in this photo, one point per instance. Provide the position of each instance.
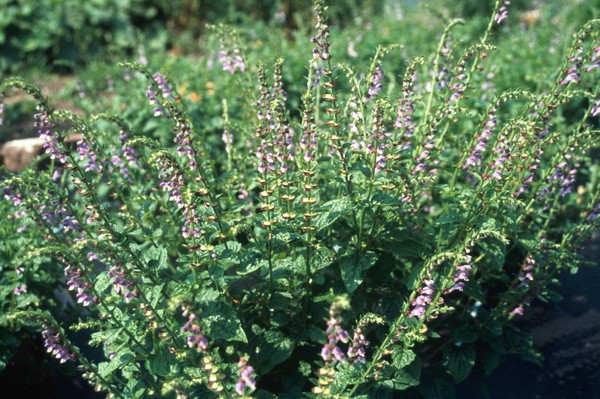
(367, 224)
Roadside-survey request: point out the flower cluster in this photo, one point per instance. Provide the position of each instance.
(331, 352)
(356, 351)
(76, 281)
(195, 338)
(423, 300)
(53, 344)
(246, 381)
(482, 139)
(231, 60)
(502, 13)
(572, 73)
(89, 156)
(404, 113)
(462, 272)
(121, 284)
(166, 92)
(376, 82)
(321, 39)
(47, 133)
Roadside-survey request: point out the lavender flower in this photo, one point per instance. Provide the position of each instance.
(321, 39)
(595, 108)
(166, 92)
(462, 273)
(76, 282)
(458, 87)
(246, 380)
(87, 154)
(593, 215)
(422, 301)
(121, 284)
(195, 338)
(376, 83)
(526, 273)
(20, 290)
(482, 139)
(231, 60)
(572, 73)
(47, 133)
(356, 351)
(52, 343)
(2, 110)
(331, 352)
(502, 13)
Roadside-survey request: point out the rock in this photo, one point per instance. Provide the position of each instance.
(18, 154)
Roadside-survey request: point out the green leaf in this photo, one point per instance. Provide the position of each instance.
(460, 361)
(105, 369)
(490, 359)
(103, 281)
(465, 334)
(331, 211)
(494, 250)
(437, 387)
(156, 258)
(273, 348)
(154, 295)
(402, 358)
(222, 322)
(354, 266)
(159, 365)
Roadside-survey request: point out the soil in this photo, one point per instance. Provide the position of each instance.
(567, 333)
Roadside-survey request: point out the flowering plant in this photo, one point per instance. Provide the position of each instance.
(357, 246)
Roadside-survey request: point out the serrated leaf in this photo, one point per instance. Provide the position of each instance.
(460, 361)
(490, 359)
(105, 369)
(159, 365)
(331, 211)
(222, 321)
(354, 266)
(274, 348)
(103, 281)
(156, 258)
(402, 358)
(465, 334)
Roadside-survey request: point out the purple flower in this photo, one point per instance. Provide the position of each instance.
(321, 39)
(595, 108)
(331, 352)
(87, 154)
(195, 338)
(163, 85)
(593, 215)
(20, 290)
(376, 83)
(2, 109)
(422, 301)
(246, 380)
(231, 60)
(502, 13)
(52, 343)
(47, 133)
(526, 273)
(76, 282)
(121, 284)
(462, 273)
(356, 351)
